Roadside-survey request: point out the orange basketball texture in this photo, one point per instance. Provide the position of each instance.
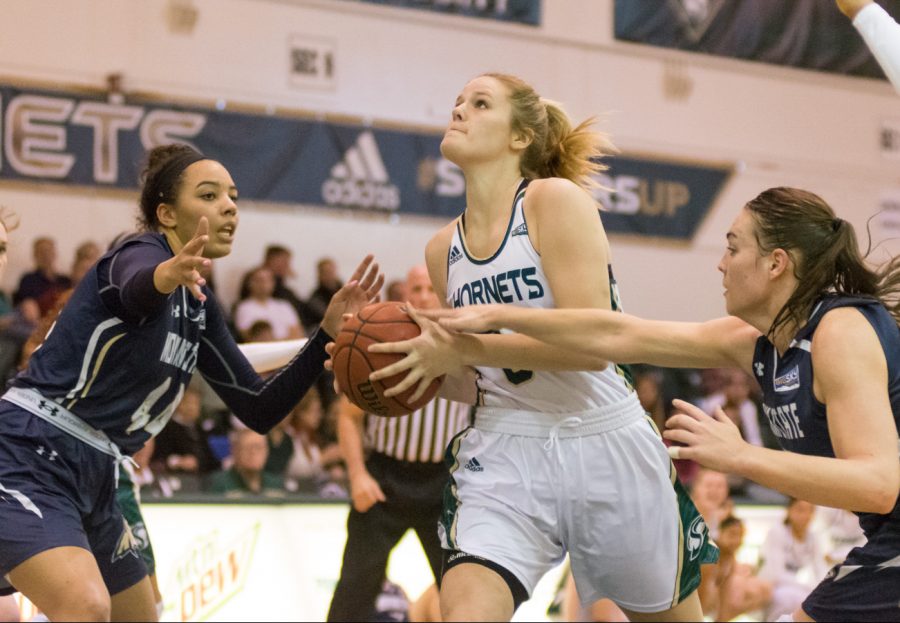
(353, 363)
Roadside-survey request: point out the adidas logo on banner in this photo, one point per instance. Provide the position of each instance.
(360, 179)
(455, 255)
(474, 466)
(521, 230)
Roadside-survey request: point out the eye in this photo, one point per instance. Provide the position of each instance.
(481, 103)
(234, 198)
(208, 196)
(731, 250)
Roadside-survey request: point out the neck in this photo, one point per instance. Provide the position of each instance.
(798, 533)
(490, 188)
(173, 239)
(764, 318)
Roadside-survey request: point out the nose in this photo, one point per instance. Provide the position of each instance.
(457, 114)
(721, 266)
(230, 207)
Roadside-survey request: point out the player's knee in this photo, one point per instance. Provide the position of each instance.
(93, 606)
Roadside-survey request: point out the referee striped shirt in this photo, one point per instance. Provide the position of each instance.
(420, 437)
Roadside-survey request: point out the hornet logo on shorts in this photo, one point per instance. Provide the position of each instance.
(126, 545)
(360, 179)
(696, 536)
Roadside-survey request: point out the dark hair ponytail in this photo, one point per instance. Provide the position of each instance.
(824, 250)
(161, 179)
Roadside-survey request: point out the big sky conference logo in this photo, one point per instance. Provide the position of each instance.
(210, 573)
(360, 179)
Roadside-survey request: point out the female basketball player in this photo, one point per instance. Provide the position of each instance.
(108, 377)
(818, 330)
(561, 461)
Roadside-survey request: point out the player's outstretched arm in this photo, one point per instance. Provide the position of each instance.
(615, 336)
(880, 32)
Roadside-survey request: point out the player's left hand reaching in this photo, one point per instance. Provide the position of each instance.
(363, 288)
(184, 268)
(711, 440)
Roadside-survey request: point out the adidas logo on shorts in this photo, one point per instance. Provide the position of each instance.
(474, 466)
(455, 255)
(360, 179)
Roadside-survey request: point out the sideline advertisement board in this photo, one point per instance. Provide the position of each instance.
(246, 562)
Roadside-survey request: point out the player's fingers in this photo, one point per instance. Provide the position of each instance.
(391, 347)
(692, 410)
(374, 292)
(369, 277)
(411, 379)
(680, 436)
(395, 368)
(437, 314)
(424, 384)
(683, 422)
(202, 227)
(329, 347)
(361, 269)
(721, 416)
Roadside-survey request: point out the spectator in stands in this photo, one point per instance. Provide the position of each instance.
(246, 476)
(842, 532)
(181, 446)
(308, 467)
(278, 260)
(328, 284)
(261, 305)
(729, 588)
(44, 284)
(261, 331)
(396, 291)
(710, 494)
(86, 255)
(793, 559)
(648, 385)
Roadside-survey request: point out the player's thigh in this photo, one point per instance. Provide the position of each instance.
(65, 584)
(686, 610)
(472, 592)
(136, 603)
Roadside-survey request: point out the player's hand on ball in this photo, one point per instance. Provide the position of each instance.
(468, 319)
(365, 492)
(711, 440)
(428, 356)
(363, 288)
(184, 268)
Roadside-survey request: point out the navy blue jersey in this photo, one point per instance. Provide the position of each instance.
(798, 420)
(120, 354)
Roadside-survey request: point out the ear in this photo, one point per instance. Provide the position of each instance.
(165, 212)
(521, 139)
(779, 263)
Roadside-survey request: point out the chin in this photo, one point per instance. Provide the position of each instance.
(215, 251)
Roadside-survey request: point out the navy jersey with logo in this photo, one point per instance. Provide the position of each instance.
(796, 417)
(120, 358)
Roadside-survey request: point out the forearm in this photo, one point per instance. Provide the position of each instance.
(522, 352)
(349, 434)
(614, 336)
(853, 484)
(882, 35)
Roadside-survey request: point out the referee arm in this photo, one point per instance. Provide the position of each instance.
(365, 491)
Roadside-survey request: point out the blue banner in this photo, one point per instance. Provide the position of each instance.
(89, 141)
(811, 34)
(521, 11)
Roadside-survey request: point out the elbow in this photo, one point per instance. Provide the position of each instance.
(883, 497)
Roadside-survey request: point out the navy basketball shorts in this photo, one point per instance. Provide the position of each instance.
(56, 491)
(866, 586)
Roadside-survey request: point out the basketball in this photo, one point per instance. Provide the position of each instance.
(353, 363)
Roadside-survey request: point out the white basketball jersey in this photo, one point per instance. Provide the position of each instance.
(514, 276)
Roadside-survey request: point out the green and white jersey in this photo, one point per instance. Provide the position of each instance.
(514, 276)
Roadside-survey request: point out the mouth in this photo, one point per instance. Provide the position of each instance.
(227, 232)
